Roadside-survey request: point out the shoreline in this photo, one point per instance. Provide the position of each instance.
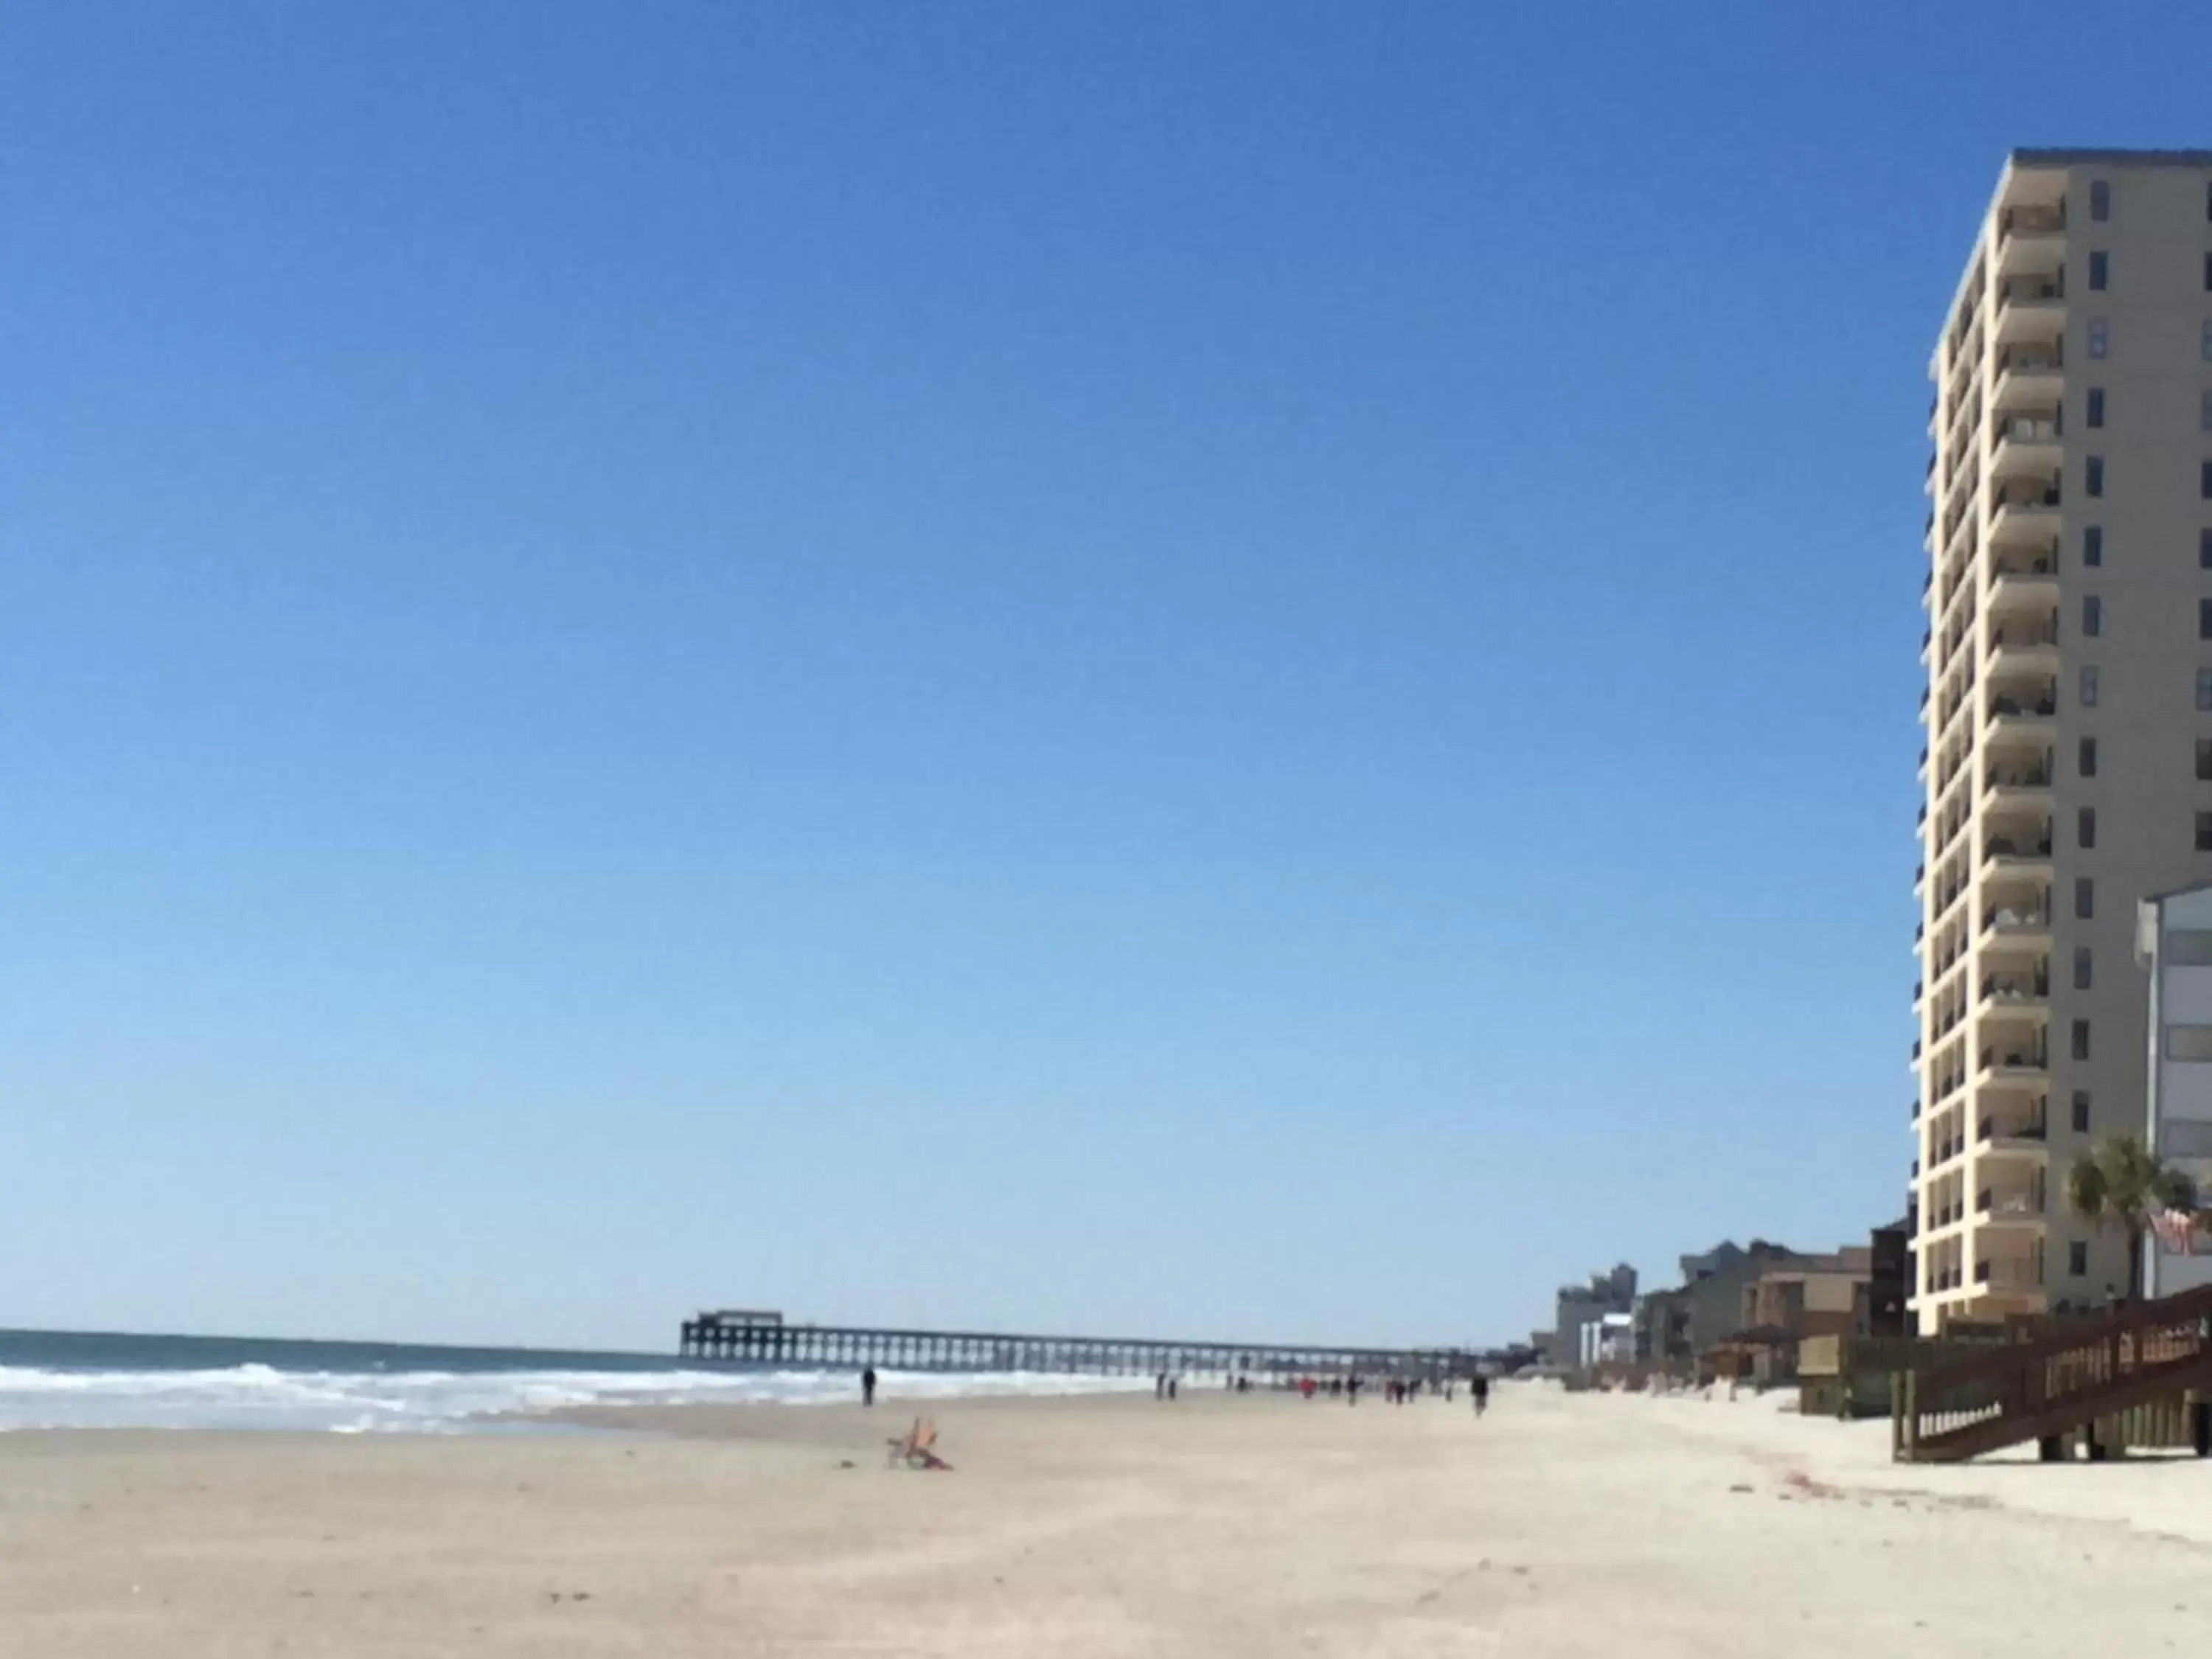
(261, 1398)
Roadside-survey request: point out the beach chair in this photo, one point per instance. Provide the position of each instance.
(916, 1448)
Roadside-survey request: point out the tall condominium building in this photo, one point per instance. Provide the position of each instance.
(2069, 709)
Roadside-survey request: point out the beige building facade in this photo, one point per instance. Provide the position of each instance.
(2068, 771)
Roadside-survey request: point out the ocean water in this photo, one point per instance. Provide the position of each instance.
(70, 1380)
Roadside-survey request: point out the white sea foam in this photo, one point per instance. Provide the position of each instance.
(446, 1402)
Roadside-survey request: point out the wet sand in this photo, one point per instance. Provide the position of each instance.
(1260, 1525)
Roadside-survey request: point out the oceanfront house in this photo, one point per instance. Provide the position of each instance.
(1792, 1299)
(1713, 1284)
(1812, 1294)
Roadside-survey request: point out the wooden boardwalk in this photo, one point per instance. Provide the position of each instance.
(2054, 1386)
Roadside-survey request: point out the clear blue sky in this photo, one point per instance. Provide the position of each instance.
(1241, 670)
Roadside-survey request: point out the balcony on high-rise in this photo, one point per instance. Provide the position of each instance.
(2013, 1126)
(2017, 1274)
(2022, 645)
(2022, 706)
(2018, 781)
(2030, 233)
(2019, 1057)
(2025, 440)
(2015, 909)
(2029, 370)
(2014, 1199)
(2032, 307)
(2025, 508)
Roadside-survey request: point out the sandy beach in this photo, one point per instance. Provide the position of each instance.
(1099, 1526)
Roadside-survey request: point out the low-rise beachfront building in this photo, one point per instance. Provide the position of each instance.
(1812, 1294)
(1792, 1298)
(1713, 1285)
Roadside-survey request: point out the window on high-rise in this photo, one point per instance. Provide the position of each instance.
(2093, 475)
(2081, 1039)
(2088, 685)
(2100, 269)
(2085, 828)
(2204, 619)
(2077, 1258)
(2204, 760)
(2204, 548)
(2085, 899)
(2204, 832)
(2093, 544)
(2082, 966)
(2100, 337)
(2086, 757)
(2100, 199)
(2204, 412)
(2094, 414)
(2205, 345)
(2204, 689)
(2081, 1111)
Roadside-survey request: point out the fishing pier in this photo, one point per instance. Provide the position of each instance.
(750, 1337)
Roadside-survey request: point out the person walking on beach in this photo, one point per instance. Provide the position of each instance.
(1351, 1390)
(1480, 1390)
(868, 1386)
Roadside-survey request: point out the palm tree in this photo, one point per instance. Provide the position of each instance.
(2118, 1183)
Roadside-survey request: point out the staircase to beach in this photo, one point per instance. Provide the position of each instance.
(2057, 1384)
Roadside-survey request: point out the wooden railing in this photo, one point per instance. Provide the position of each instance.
(2056, 1382)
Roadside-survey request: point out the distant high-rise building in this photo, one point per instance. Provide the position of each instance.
(2069, 710)
(1580, 1305)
